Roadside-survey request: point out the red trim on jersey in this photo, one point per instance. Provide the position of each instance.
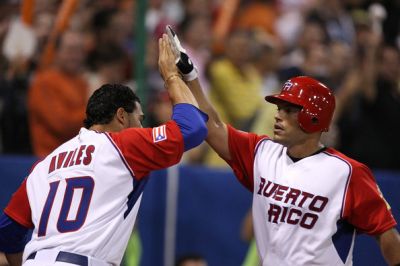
(18, 208)
(243, 147)
(143, 155)
(120, 154)
(364, 205)
(336, 154)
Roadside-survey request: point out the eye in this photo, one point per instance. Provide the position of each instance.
(292, 109)
(289, 109)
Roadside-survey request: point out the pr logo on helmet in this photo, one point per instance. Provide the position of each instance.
(287, 86)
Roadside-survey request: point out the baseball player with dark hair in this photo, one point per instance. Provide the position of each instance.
(308, 200)
(82, 200)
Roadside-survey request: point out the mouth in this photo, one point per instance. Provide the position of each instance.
(278, 129)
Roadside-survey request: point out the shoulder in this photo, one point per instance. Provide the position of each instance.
(252, 139)
(264, 142)
(356, 168)
(221, 66)
(47, 75)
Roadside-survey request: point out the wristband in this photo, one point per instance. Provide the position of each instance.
(172, 76)
(191, 75)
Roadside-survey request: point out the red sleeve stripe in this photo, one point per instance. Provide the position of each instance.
(18, 208)
(347, 181)
(120, 155)
(389, 225)
(18, 219)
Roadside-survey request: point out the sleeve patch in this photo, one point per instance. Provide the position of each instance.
(159, 134)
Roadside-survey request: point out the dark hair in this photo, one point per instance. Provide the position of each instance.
(105, 54)
(105, 101)
(102, 19)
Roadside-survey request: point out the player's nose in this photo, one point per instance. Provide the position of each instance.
(278, 115)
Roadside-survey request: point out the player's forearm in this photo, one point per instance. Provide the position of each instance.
(178, 91)
(392, 255)
(389, 243)
(204, 103)
(217, 130)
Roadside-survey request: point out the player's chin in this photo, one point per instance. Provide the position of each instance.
(279, 138)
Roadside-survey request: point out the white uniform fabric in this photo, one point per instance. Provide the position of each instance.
(288, 206)
(104, 232)
(84, 197)
(306, 212)
(48, 257)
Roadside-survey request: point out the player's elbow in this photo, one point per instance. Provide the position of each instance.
(192, 123)
(197, 135)
(13, 236)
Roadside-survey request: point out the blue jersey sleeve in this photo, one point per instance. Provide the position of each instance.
(13, 236)
(192, 124)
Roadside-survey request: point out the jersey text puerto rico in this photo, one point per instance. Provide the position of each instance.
(295, 197)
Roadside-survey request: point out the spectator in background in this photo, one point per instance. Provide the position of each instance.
(17, 62)
(266, 60)
(191, 260)
(234, 81)
(158, 15)
(154, 81)
(313, 36)
(372, 136)
(113, 27)
(199, 7)
(197, 40)
(267, 54)
(339, 64)
(368, 98)
(258, 14)
(160, 108)
(338, 22)
(391, 24)
(58, 95)
(15, 67)
(13, 109)
(107, 64)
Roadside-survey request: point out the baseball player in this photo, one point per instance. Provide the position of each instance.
(82, 199)
(308, 200)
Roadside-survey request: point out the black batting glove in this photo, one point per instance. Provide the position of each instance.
(183, 62)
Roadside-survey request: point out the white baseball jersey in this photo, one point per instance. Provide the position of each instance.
(306, 212)
(84, 197)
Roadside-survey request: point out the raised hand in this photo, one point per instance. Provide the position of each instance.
(166, 59)
(182, 60)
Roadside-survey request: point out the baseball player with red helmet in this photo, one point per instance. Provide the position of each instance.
(82, 199)
(308, 200)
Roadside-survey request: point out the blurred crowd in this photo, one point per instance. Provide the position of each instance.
(55, 53)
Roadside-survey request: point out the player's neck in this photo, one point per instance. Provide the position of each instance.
(105, 128)
(303, 150)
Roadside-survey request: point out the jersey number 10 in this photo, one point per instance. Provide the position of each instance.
(86, 183)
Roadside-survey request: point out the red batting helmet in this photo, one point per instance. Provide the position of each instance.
(316, 99)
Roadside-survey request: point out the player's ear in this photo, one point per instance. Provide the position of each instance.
(120, 116)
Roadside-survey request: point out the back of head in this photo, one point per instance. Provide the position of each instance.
(316, 99)
(105, 101)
